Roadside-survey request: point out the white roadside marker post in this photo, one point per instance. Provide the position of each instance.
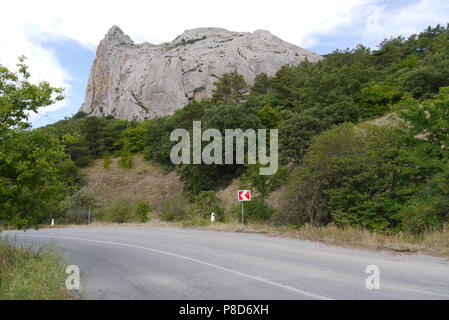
(88, 217)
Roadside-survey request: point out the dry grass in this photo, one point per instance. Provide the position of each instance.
(142, 182)
(390, 119)
(228, 195)
(29, 274)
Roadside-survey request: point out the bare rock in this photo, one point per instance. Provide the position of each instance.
(141, 81)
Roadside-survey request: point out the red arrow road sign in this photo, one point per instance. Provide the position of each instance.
(244, 195)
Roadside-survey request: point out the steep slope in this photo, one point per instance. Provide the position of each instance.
(142, 182)
(139, 81)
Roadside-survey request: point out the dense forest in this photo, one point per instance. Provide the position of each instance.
(363, 141)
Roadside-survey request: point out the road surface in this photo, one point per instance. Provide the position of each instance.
(168, 263)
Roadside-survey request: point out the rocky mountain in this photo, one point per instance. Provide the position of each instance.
(140, 81)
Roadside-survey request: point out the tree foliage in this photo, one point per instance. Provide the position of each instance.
(35, 173)
(19, 97)
(32, 179)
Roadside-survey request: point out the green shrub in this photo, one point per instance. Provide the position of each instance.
(120, 211)
(421, 214)
(142, 209)
(256, 210)
(303, 201)
(206, 203)
(75, 208)
(175, 209)
(126, 159)
(107, 160)
(429, 210)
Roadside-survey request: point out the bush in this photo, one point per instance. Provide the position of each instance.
(107, 160)
(421, 214)
(175, 209)
(428, 210)
(126, 160)
(74, 209)
(142, 209)
(206, 203)
(303, 201)
(256, 210)
(120, 211)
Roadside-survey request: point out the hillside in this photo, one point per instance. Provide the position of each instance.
(147, 182)
(142, 182)
(351, 147)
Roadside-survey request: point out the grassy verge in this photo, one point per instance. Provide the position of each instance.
(27, 274)
(435, 243)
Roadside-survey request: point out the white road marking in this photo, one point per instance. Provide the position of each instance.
(242, 274)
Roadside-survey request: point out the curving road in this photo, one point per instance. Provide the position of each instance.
(165, 263)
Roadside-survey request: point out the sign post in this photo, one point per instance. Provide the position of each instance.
(244, 195)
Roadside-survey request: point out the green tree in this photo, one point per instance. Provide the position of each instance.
(262, 84)
(157, 140)
(35, 173)
(351, 176)
(231, 86)
(19, 97)
(264, 184)
(270, 118)
(429, 208)
(31, 181)
(429, 120)
(135, 135)
(69, 140)
(222, 116)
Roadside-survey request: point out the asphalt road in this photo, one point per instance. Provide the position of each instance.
(165, 263)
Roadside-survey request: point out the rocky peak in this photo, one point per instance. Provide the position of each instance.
(116, 36)
(140, 81)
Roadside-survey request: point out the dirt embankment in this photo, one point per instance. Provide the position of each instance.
(143, 181)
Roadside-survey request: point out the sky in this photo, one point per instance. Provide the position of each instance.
(59, 38)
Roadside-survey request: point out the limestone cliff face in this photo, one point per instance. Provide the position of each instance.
(140, 81)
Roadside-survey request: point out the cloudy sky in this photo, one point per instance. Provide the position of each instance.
(60, 37)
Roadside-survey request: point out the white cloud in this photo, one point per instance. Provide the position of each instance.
(394, 18)
(42, 62)
(411, 19)
(301, 22)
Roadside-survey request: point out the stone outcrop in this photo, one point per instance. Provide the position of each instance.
(140, 81)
